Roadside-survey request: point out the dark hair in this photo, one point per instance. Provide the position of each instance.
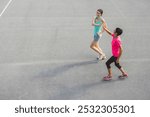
(119, 31)
(100, 10)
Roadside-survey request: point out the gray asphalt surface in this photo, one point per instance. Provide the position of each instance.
(45, 54)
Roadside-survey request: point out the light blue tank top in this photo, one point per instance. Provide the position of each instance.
(97, 29)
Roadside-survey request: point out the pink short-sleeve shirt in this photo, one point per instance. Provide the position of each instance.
(116, 44)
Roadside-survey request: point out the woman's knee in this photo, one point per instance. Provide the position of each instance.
(108, 65)
(117, 65)
(92, 45)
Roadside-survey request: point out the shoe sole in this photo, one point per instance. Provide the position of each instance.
(123, 77)
(107, 79)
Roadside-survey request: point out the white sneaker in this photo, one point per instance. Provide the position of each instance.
(98, 58)
(103, 57)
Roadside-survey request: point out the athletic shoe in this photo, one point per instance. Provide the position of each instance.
(98, 58)
(123, 76)
(103, 57)
(107, 78)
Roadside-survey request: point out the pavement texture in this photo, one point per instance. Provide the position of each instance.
(45, 53)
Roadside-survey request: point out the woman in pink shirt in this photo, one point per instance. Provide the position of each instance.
(116, 53)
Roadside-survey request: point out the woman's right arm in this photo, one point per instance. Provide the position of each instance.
(107, 30)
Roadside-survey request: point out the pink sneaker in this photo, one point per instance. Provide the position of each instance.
(123, 76)
(107, 78)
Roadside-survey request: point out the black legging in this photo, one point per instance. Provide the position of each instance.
(111, 60)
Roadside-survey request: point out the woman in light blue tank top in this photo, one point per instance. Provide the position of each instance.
(98, 23)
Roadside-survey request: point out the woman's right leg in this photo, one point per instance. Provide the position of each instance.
(94, 47)
(111, 60)
(109, 76)
(102, 53)
(121, 69)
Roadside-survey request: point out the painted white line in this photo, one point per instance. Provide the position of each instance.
(5, 7)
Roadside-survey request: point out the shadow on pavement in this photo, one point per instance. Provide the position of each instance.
(52, 72)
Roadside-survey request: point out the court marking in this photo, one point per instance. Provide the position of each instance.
(7, 5)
